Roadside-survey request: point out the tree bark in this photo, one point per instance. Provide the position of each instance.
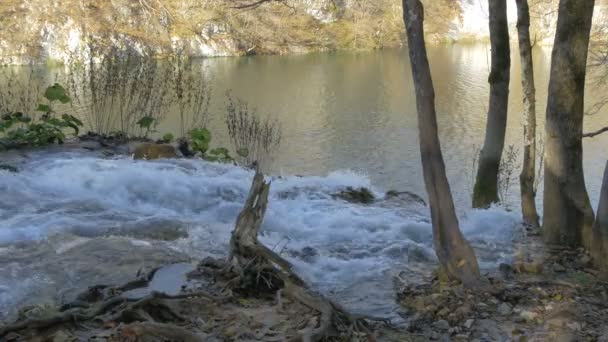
(599, 250)
(528, 171)
(485, 191)
(568, 216)
(455, 254)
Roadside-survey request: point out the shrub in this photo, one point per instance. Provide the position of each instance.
(18, 129)
(253, 139)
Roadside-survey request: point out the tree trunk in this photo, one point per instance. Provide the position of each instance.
(528, 171)
(485, 191)
(599, 250)
(455, 254)
(568, 216)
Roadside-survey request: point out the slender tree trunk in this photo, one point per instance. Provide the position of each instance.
(568, 216)
(455, 254)
(528, 171)
(599, 250)
(485, 191)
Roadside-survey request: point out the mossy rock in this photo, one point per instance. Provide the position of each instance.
(149, 151)
(359, 195)
(8, 168)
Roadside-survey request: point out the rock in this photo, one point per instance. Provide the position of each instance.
(359, 195)
(529, 316)
(576, 326)
(556, 323)
(308, 254)
(533, 267)
(558, 268)
(184, 147)
(504, 309)
(154, 229)
(442, 325)
(62, 336)
(148, 151)
(8, 168)
(469, 323)
(443, 312)
(489, 330)
(584, 260)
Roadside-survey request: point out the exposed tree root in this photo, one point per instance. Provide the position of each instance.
(116, 309)
(146, 331)
(254, 269)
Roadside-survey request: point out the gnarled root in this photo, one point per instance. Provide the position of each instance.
(254, 269)
(115, 309)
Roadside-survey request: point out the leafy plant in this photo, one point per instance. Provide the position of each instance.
(19, 129)
(253, 139)
(146, 123)
(200, 140)
(167, 138)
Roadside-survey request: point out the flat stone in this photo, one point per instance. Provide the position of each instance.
(469, 323)
(148, 151)
(558, 268)
(529, 316)
(442, 325)
(534, 267)
(556, 323)
(504, 309)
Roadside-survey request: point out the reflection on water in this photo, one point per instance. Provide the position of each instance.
(357, 111)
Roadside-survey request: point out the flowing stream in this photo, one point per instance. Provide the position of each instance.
(61, 200)
(72, 218)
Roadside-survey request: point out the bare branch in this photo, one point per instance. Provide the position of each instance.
(593, 134)
(247, 4)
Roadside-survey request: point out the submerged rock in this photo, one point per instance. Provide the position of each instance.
(149, 151)
(164, 230)
(8, 168)
(359, 195)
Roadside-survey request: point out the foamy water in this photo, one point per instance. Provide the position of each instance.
(348, 251)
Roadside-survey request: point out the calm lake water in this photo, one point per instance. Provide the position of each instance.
(357, 111)
(339, 113)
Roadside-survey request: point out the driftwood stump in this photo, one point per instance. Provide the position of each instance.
(258, 269)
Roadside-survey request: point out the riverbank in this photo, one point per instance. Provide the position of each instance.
(52, 32)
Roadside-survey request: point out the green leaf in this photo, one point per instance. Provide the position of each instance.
(168, 137)
(201, 134)
(145, 122)
(72, 119)
(199, 145)
(56, 93)
(43, 108)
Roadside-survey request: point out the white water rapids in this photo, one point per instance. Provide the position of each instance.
(347, 251)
